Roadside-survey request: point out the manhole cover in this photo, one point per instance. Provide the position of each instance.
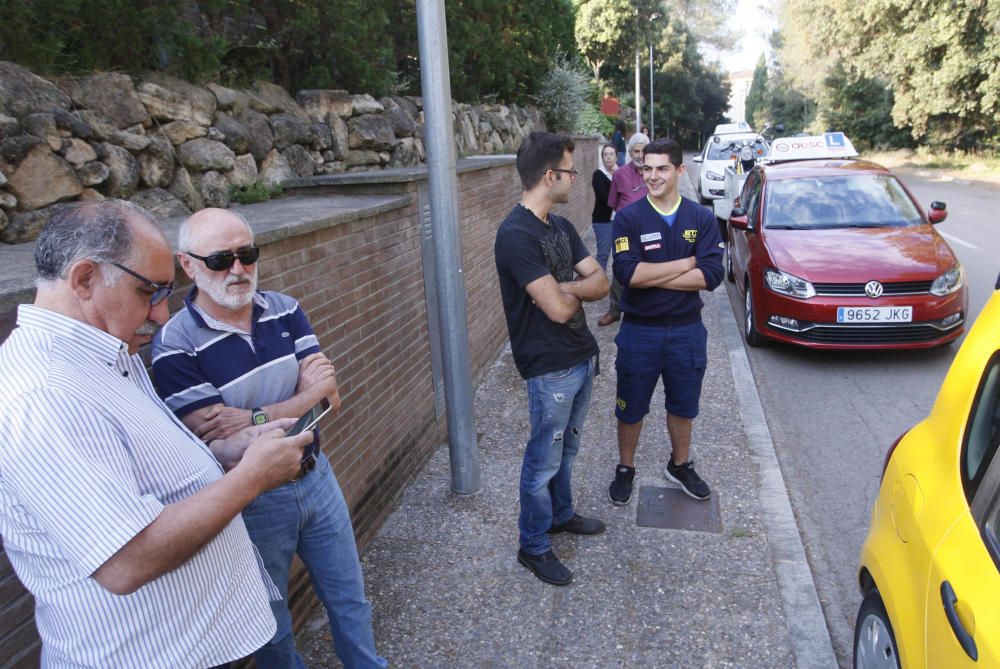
(671, 509)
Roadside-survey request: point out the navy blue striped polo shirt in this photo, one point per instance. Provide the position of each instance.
(199, 361)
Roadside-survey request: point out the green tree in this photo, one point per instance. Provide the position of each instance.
(497, 49)
(707, 21)
(72, 36)
(690, 97)
(603, 32)
(861, 107)
(309, 43)
(757, 95)
(941, 59)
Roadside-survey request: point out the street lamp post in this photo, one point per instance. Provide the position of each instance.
(638, 96)
(651, 131)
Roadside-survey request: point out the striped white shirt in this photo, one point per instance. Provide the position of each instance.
(89, 456)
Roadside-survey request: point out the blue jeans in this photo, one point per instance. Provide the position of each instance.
(310, 517)
(557, 406)
(602, 235)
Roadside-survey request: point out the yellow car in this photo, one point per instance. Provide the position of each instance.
(930, 565)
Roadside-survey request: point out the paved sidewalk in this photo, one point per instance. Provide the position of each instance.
(447, 590)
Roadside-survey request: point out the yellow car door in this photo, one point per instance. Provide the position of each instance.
(963, 602)
(963, 590)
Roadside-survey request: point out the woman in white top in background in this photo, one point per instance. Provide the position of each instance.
(602, 214)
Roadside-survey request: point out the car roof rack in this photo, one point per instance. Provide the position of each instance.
(813, 147)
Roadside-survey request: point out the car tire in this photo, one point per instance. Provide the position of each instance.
(750, 331)
(874, 640)
(729, 264)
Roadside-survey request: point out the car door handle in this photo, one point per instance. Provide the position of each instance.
(949, 600)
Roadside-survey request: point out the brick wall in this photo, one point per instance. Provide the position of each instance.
(361, 282)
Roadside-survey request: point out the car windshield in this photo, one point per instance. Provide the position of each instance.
(727, 149)
(857, 200)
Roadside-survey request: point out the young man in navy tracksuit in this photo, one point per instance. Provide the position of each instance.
(666, 249)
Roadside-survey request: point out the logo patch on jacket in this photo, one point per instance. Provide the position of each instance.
(690, 236)
(651, 237)
(651, 247)
(621, 244)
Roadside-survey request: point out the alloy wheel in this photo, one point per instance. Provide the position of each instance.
(874, 648)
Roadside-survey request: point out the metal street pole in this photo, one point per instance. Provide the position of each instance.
(651, 131)
(638, 96)
(439, 139)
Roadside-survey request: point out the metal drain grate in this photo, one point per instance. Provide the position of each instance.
(671, 509)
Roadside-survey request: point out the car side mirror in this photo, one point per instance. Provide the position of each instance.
(738, 219)
(938, 212)
(698, 158)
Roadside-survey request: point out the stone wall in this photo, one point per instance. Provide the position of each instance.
(356, 262)
(174, 147)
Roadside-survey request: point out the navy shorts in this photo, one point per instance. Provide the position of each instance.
(677, 354)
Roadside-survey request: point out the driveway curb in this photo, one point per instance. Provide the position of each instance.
(803, 614)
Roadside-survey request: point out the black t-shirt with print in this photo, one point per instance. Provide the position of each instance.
(527, 249)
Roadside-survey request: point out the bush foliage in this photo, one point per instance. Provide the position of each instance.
(563, 95)
(499, 49)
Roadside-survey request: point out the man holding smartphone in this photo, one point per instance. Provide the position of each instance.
(235, 356)
(115, 517)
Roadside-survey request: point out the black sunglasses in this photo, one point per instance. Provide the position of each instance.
(220, 261)
(161, 291)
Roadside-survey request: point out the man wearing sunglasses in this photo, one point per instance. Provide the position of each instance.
(235, 356)
(114, 515)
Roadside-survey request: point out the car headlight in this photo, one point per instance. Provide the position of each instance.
(714, 176)
(949, 282)
(788, 284)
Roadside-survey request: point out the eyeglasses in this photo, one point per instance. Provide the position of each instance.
(161, 291)
(572, 173)
(222, 261)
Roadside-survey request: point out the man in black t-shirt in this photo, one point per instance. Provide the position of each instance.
(545, 275)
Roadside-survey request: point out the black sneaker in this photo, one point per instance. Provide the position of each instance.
(578, 525)
(688, 478)
(620, 490)
(546, 567)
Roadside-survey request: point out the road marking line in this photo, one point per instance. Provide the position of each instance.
(953, 238)
(804, 618)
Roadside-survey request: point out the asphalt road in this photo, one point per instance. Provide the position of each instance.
(833, 415)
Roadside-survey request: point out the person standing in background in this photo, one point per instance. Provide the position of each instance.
(601, 216)
(627, 186)
(618, 141)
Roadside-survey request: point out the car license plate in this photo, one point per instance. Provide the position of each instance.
(874, 314)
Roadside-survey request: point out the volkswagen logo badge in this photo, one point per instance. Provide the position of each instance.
(873, 289)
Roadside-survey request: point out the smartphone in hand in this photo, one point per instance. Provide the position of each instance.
(309, 420)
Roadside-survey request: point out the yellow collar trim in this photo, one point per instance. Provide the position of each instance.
(659, 211)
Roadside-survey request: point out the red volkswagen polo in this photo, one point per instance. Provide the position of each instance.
(832, 252)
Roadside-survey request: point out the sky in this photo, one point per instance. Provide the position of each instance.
(752, 20)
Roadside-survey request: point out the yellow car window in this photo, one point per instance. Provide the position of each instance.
(983, 433)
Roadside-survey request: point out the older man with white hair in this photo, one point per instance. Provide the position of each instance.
(627, 186)
(237, 356)
(115, 517)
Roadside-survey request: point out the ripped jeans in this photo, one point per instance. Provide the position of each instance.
(557, 406)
